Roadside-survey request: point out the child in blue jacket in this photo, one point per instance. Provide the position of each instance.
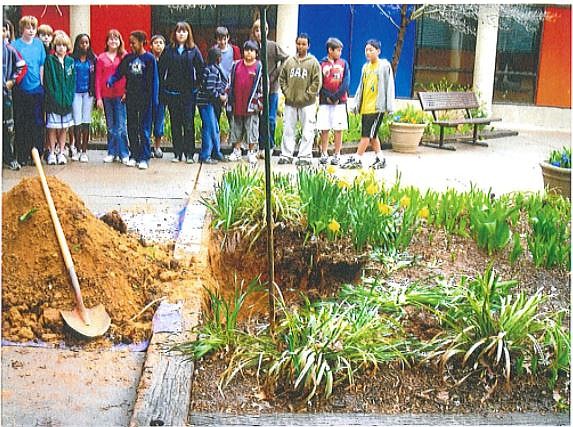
(141, 91)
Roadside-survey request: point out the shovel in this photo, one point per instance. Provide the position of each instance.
(90, 322)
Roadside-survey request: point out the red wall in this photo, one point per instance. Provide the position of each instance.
(58, 17)
(125, 19)
(554, 82)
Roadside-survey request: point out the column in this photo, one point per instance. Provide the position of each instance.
(287, 27)
(486, 48)
(79, 20)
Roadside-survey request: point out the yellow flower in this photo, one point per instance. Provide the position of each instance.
(334, 226)
(424, 212)
(342, 184)
(404, 202)
(383, 208)
(372, 189)
(330, 170)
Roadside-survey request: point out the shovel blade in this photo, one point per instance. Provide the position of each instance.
(99, 321)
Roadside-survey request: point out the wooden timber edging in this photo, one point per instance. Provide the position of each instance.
(164, 391)
(346, 419)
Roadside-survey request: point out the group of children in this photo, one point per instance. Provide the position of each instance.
(134, 89)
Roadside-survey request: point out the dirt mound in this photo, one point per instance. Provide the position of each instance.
(113, 269)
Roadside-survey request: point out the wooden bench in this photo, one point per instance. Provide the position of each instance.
(445, 101)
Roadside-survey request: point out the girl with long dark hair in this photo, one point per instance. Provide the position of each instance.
(180, 71)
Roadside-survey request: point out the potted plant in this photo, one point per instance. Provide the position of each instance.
(557, 172)
(407, 128)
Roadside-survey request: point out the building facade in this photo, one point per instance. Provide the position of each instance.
(527, 68)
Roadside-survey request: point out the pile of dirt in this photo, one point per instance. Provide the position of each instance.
(113, 269)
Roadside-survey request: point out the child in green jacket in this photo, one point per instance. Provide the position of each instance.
(60, 86)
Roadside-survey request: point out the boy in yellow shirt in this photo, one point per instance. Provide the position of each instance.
(374, 97)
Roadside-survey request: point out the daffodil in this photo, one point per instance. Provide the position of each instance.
(384, 208)
(342, 184)
(404, 202)
(424, 212)
(372, 189)
(334, 226)
(331, 170)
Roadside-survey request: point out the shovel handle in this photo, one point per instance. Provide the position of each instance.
(61, 238)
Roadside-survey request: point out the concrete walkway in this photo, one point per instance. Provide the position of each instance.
(60, 387)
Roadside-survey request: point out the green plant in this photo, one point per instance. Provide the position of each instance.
(411, 115)
(98, 126)
(489, 328)
(557, 342)
(561, 158)
(220, 329)
(489, 223)
(230, 195)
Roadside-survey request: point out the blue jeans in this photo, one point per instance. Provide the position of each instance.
(158, 120)
(210, 137)
(139, 117)
(115, 117)
(273, 107)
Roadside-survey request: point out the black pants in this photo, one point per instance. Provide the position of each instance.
(182, 114)
(7, 130)
(28, 124)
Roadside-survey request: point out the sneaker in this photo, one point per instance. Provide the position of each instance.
(108, 159)
(157, 153)
(52, 159)
(252, 157)
(221, 159)
(129, 162)
(190, 160)
(303, 161)
(352, 163)
(335, 160)
(84, 158)
(62, 159)
(378, 163)
(323, 158)
(73, 152)
(14, 165)
(235, 156)
(143, 165)
(209, 161)
(175, 159)
(285, 160)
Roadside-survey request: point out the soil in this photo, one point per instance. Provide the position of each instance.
(392, 388)
(114, 269)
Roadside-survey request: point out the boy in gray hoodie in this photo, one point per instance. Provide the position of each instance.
(300, 80)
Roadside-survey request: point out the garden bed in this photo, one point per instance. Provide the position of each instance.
(452, 302)
(395, 388)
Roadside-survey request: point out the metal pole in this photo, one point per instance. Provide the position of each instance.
(268, 176)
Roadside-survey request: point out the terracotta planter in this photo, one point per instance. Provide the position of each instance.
(556, 179)
(406, 137)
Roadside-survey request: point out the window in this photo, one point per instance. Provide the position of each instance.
(442, 53)
(205, 18)
(516, 63)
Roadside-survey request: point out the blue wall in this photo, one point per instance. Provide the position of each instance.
(353, 25)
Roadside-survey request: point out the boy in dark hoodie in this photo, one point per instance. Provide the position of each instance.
(300, 80)
(245, 102)
(141, 91)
